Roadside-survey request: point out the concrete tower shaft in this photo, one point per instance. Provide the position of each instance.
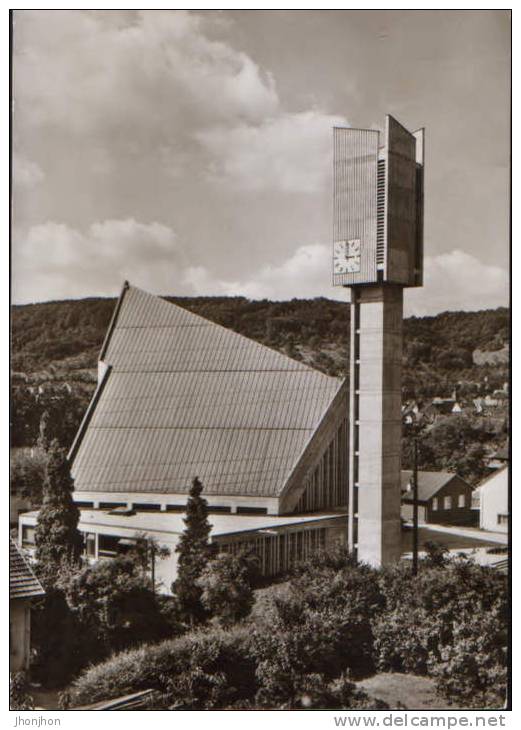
(375, 423)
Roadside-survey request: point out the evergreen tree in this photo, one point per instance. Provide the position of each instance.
(57, 537)
(194, 552)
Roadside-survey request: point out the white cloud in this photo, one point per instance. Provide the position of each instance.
(54, 260)
(306, 274)
(458, 280)
(93, 71)
(453, 281)
(288, 153)
(26, 173)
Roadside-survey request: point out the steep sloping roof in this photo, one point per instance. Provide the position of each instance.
(429, 482)
(22, 581)
(185, 397)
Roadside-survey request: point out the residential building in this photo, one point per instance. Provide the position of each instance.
(443, 498)
(23, 588)
(493, 501)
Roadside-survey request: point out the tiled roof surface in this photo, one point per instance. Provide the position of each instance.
(429, 482)
(22, 581)
(186, 397)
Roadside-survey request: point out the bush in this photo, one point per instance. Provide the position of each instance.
(472, 669)
(181, 669)
(115, 606)
(19, 697)
(227, 593)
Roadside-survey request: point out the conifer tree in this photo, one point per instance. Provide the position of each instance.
(194, 552)
(57, 537)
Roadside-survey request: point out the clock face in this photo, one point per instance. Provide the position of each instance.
(346, 256)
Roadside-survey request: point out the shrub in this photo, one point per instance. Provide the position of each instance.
(181, 669)
(115, 606)
(19, 697)
(472, 669)
(226, 588)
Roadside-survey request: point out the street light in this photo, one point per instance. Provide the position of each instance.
(414, 426)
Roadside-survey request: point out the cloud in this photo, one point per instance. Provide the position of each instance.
(454, 280)
(288, 153)
(92, 71)
(26, 174)
(458, 281)
(305, 274)
(54, 259)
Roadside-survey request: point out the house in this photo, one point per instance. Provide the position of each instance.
(443, 498)
(23, 587)
(180, 397)
(493, 501)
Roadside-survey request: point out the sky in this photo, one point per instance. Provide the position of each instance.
(191, 152)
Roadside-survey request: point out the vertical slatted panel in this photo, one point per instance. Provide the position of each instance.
(400, 203)
(354, 197)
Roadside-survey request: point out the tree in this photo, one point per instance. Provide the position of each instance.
(226, 586)
(57, 537)
(115, 606)
(194, 552)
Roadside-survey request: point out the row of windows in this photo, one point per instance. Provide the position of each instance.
(279, 552)
(152, 507)
(448, 502)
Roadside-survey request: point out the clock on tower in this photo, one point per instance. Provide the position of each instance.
(377, 251)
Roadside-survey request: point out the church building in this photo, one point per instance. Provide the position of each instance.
(180, 397)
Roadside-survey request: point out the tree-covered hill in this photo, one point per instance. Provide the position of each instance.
(62, 338)
(55, 347)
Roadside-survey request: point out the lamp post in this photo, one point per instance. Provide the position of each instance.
(414, 427)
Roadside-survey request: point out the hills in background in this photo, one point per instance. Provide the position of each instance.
(55, 346)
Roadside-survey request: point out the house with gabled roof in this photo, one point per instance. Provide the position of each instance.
(24, 586)
(443, 498)
(180, 397)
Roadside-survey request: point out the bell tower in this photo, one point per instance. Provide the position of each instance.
(377, 251)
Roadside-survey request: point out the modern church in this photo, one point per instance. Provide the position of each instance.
(291, 460)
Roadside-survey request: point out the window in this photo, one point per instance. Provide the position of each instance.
(461, 500)
(447, 502)
(108, 546)
(147, 507)
(435, 504)
(252, 511)
(502, 519)
(28, 535)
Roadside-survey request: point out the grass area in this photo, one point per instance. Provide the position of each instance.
(405, 691)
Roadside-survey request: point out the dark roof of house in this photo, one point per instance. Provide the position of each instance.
(22, 581)
(429, 482)
(184, 397)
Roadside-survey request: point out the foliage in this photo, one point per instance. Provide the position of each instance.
(194, 553)
(226, 585)
(115, 606)
(203, 670)
(57, 639)
(473, 666)
(27, 474)
(450, 622)
(41, 417)
(57, 537)
(323, 623)
(19, 697)
(335, 619)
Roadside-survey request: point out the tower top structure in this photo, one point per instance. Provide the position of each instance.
(378, 206)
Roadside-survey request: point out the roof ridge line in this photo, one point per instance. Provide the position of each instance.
(113, 319)
(88, 415)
